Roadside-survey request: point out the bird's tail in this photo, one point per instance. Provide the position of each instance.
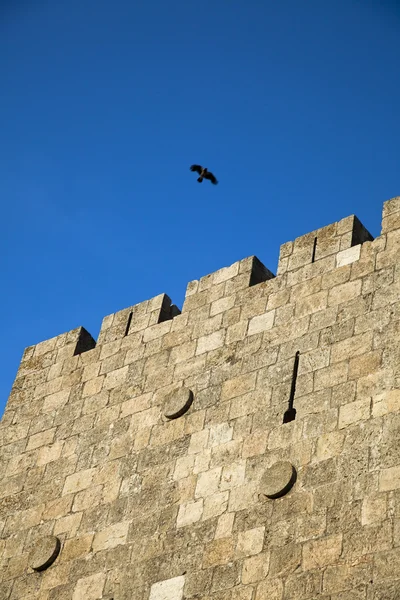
(200, 179)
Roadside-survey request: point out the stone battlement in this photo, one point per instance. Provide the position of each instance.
(244, 448)
(315, 253)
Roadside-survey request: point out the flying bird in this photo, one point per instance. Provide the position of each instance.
(204, 174)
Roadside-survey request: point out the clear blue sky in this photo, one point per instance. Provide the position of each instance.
(104, 106)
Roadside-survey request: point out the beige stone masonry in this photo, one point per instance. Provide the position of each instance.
(215, 497)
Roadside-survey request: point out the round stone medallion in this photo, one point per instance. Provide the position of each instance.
(278, 479)
(44, 552)
(177, 403)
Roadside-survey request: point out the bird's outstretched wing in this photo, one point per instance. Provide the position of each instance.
(211, 177)
(197, 168)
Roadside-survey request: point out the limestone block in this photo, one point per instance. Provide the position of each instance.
(250, 542)
(215, 505)
(255, 444)
(373, 509)
(208, 482)
(351, 347)
(41, 439)
(236, 332)
(322, 552)
(178, 402)
(233, 475)
(112, 536)
(224, 525)
(242, 497)
(344, 293)
(385, 403)
(189, 513)
(364, 365)
(222, 305)
(220, 434)
(210, 342)
(354, 412)
(184, 467)
(198, 441)
(90, 588)
(255, 568)
(49, 454)
(238, 386)
(218, 552)
(115, 378)
(226, 273)
(331, 376)
(76, 547)
(277, 480)
(78, 481)
(270, 589)
(311, 304)
(68, 525)
(169, 589)
(55, 401)
(93, 386)
(202, 461)
(348, 256)
(285, 559)
(329, 445)
(44, 552)
(261, 323)
(389, 479)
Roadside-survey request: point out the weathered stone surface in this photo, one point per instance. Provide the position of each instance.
(278, 479)
(177, 403)
(170, 589)
(151, 506)
(44, 552)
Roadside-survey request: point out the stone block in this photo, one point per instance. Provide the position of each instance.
(322, 552)
(219, 434)
(189, 513)
(261, 323)
(250, 542)
(238, 386)
(389, 479)
(169, 589)
(311, 304)
(78, 481)
(215, 505)
(225, 525)
(208, 482)
(373, 509)
(40, 439)
(90, 587)
(354, 412)
(112, 536)
(210, 342)
(255, 444)
(344, 293)
(348, 256)
(218, 552)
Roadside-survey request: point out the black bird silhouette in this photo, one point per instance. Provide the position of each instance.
(204, 174)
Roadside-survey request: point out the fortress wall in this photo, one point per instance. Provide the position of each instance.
(245, 448)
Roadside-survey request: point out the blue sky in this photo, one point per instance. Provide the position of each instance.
(104, 106)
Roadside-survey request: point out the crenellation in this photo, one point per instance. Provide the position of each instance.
(157, 454)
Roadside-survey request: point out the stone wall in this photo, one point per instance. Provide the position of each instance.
(155, 464)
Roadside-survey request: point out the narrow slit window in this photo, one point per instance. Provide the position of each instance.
(128, 323)
(290, 413)
(314, 250)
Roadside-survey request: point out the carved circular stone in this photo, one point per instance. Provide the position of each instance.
(177, 403)
(278, 479)
(44, 552)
